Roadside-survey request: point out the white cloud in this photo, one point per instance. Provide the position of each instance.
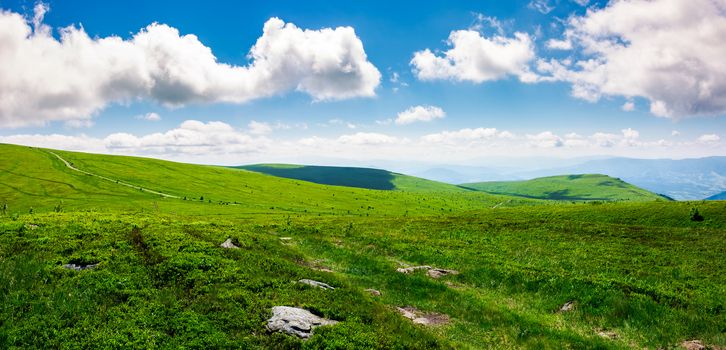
(603, 139)
(78, 123)
(709, 138)
(259, 128)
(545, 139)
(419, 114)
(367, 138)
(556, 44)
(669, 52)
(44, 79)
(675, 133)
(477, 58)
(582, 2)
(630, 133)
(543, 6)
(466, 136)
(628, 106)
(151, 116)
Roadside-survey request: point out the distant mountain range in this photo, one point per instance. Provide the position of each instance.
(685, 179)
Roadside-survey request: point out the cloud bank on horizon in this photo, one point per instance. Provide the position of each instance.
(665, 53)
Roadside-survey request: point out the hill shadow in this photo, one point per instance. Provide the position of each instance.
(375, 179)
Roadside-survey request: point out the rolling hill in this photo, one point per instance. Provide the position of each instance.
(40, 179)
(585, 187)
(369, 178)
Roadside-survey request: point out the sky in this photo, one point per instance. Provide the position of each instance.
(455, 82)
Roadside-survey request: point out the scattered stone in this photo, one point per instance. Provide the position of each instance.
(228, 244)
(32, 226)
(437, 273)
(373, 292)
(569, 306)
(412, 269)
(316, 284)
(418, 317)
(285, 238)
(607, 334)
(431, 271)
(295, 321)
(693, 345)
(79, 267)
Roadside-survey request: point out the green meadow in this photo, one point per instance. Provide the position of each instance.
(635, 269)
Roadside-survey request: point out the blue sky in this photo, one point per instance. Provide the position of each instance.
(537, 115)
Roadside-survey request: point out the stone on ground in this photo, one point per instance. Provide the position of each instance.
(693, 345)
(315, 284)
(433, 272)
(295, 321)
(437, 273)
(373, 292)
(228, 244)
(418, 317)
(79, 267)
(412, 269)
(569, 306)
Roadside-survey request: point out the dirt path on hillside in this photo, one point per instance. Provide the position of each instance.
(119, 182)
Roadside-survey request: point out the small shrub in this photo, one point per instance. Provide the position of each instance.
(695, 215)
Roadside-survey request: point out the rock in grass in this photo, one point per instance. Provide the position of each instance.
(315, 284)
(569, 306)
(228, 244)
(693, 345)
(295, 321)
(412, 269)
(418, 317)
(431, 271)
(373, 292)
(436, 273)
(79, 267)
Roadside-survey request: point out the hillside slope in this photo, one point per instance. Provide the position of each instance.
(586, 187)
(39, 179)
(376, 179)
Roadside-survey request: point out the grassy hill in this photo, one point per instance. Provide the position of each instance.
(37, 178)
(639, 274)
(376, 179)
(586, 187)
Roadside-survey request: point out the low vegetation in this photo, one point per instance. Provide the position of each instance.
(150, 272)
(584, 187)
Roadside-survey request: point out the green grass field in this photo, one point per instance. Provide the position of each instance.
(640, 274)
(584, 187)
(375, 179)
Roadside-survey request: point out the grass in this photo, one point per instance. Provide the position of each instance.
(375, 179)
(584, 187)
(643, 271)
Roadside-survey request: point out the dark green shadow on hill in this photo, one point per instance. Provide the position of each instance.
(375, 179)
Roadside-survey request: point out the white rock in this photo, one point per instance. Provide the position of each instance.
(316, 284)
(295, 321)
(228, 244)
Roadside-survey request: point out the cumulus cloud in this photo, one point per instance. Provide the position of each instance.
(78, 123)
(259, 128)
(545, 139)
(367, 138)
(476, 58)
(709, 138)
(419, 114)
(669, 52)
(466, 136)
(43, 78)
(151, 116)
